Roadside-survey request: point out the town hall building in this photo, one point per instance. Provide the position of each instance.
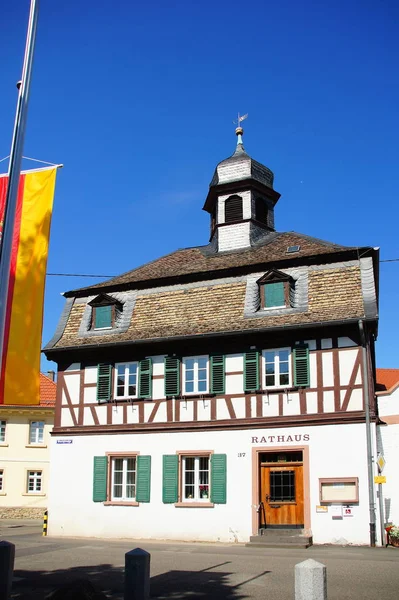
(223, 392)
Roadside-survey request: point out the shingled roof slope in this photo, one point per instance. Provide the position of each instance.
(387, 380)
(272, 247)
(48, 391)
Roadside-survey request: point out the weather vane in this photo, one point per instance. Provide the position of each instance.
(240, 119)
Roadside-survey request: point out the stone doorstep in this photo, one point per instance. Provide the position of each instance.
(281, 538)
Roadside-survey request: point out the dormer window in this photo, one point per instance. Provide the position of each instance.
(233, 209)
(105, 311)
(274, 290)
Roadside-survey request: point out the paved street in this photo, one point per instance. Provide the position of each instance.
(195, 571)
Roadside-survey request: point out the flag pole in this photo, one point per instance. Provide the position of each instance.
(14, 170)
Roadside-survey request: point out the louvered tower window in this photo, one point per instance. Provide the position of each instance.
(233, 209)
(261, 211)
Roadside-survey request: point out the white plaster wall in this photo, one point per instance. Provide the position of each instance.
(334, 451)
(235, 236)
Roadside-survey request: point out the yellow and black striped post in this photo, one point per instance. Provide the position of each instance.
(45, 519)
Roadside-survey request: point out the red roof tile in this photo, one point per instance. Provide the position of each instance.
(47, 391)
(387, 379)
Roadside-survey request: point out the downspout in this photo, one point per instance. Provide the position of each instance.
(370, 458)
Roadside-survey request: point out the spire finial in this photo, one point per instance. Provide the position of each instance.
(239, 129)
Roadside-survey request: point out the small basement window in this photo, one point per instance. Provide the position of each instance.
(339, 490)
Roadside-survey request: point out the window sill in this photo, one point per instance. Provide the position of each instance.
(201, 395)
(194, 504)
(3, 493)
(3, 445)
(36, 446)
(33, 494)
(123, 503)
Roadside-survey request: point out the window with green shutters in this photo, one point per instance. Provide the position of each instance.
(218, 374)
(251, 371)
(172, 376)
(103, 317)
(104, 378)
(301, 366)
(100, 478)
(145, 378)
(274, 294)
(170, 482)
(143, 489)
(218, 478)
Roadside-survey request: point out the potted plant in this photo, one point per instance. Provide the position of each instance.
(393, 535)
(204, 491)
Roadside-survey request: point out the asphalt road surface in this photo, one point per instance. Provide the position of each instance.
(194, 571)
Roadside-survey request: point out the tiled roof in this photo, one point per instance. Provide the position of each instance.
(48, 389)
(219, 306)
(271, 248)
(387, 379)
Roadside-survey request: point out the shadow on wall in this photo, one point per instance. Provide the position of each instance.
(81, 583)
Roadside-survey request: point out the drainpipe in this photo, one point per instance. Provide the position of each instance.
(370, 458)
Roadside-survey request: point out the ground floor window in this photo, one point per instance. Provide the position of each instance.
(123, 478)
(2, 431)
(195, 474)
(34, 482)
(1, 479)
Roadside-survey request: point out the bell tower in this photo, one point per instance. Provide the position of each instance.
(241, 200)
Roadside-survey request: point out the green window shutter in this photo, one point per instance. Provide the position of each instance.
(251, 371)
(172, 376)
(170, 478)
(274, 294)
(218, 478)
(301, 366)
(102, 317)
(100, 478)
(217, 374)
(104, 376)
(145, 378)
(143, 485)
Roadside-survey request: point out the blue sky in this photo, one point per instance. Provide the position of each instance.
(137, 100)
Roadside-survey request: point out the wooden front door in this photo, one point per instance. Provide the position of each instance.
(281, 501)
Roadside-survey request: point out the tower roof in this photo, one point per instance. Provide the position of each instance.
(241, 166)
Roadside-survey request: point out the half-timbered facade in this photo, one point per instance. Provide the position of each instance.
(228, 377)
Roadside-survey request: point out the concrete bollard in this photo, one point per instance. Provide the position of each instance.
(310, 580)
(7, 555)
(137, 575)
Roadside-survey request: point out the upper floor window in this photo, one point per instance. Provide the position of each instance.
(274, 289)
(105, 312)
(1, 479)
(195, 375)
(36, 432)
(126, 380)
(233, 210)
(2, 431)
(277, 368)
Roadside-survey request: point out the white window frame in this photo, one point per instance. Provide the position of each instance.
(195, 358)
(124, 497)
(36, 477)
(276, 369)
(126, 383)
(3, 431)
(36, 429)
(197, 494)
(1, 480)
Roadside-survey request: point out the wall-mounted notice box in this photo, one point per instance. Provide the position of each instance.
(339, 490)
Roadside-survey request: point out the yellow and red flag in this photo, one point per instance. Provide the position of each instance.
(19, 377)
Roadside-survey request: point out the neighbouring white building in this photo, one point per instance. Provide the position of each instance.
(220, 392)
